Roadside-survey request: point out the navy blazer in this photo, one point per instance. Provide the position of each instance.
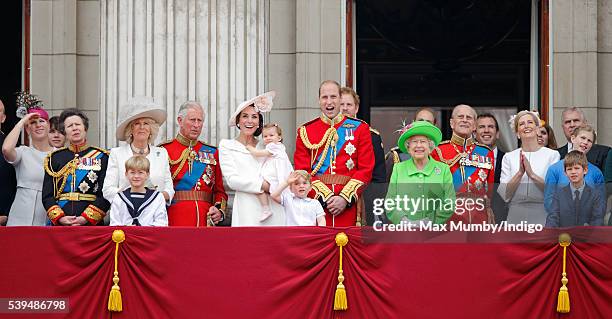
(563, 211)
(596, 155)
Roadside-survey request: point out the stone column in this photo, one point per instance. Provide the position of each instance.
(305, 49)
(65, 57)
(575, 59)
(212, 51)
(604, 71)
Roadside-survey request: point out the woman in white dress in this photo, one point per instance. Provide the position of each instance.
(242, 172)
(138, 126)
(523, 172)
(27, 209)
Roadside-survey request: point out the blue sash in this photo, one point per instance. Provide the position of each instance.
(80, 175)
(469, 170)
(354, 124)
(189, 181)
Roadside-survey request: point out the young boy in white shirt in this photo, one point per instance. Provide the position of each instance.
(138, 205)
(300, 210)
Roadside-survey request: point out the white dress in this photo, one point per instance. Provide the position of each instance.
(27, 209)
(242, 173)
(527, 204)
(159, 178)
(277, 167)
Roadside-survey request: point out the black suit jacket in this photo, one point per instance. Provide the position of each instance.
(596, 156)
(499, 206)
(562, 213)
(8, 186)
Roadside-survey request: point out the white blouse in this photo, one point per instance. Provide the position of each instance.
(159, 178)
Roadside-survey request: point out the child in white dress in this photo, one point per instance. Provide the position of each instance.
(300, 210)
(276, 166)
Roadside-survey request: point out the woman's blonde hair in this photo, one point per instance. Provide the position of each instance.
(515, 119)
(154, 130)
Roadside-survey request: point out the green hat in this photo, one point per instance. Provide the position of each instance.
(419, 128)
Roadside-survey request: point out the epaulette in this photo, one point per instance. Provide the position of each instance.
(375, 131)
(57, 151)
(356, 119)
(393, 151)
(444, 142)
(103, 150)
(483, 145)
(205, 144)
(306, 123)
(165, 142)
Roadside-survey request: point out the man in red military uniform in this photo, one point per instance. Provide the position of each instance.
(471, 165)
(337, 151)
(200, 199)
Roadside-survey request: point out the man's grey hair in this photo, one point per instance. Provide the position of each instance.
(189, 105)
(471, 109)
(574, 109)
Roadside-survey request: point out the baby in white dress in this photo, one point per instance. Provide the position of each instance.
(276, 167)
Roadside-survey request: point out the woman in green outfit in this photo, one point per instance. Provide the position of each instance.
(421, 188)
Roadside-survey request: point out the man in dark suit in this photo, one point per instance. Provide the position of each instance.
(573, 117)
(7, 176)
(487, 133)
(349, 106)
(577, 204)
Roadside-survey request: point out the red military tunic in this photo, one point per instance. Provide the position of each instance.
(197, 180)
(471, 165)
(338, 154)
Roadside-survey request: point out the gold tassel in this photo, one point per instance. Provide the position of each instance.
(563, 302)
(340, 301)
(114, 299)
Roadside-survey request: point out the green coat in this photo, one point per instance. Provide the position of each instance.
(430, 190)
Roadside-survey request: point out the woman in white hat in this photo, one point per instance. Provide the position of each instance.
(138, 126)
(242, 171)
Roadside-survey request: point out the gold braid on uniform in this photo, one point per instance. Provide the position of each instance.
(330, 136)
(68, 169)
(182, 159)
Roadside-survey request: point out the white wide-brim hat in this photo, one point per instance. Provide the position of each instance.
(136, 108)
(262, 103)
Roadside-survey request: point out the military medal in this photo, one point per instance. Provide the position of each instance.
(83, 187)
(483, 175)
(208, 177)
(349, 135)
(92, 176)
(350, 149)
(350, 164)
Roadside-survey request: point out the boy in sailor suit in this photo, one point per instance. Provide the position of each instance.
(138, 205)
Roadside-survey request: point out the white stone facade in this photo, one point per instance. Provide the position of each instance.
(94, 54)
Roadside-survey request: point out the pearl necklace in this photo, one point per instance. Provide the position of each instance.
(139, 151)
